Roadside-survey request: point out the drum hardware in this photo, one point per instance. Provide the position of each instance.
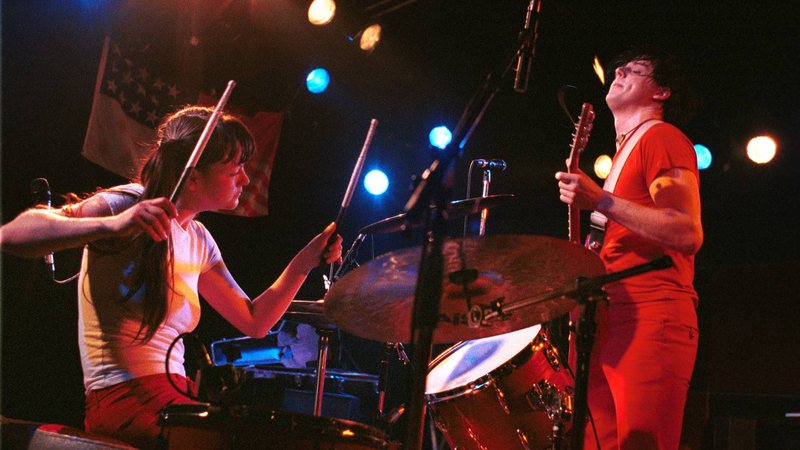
(487, 166)
(560, 412)
(501, 398)
(322, 357)
(545, 397)
(311, 312)
(389, 348)
(348, 260)
(238, 350)
(548, 348)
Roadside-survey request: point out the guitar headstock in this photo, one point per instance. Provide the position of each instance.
(581, 136)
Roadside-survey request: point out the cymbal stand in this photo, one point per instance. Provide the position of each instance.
(584, 333)
(558, 435)
(322, 358)
(388, 349)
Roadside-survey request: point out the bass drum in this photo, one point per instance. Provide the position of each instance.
(206, 427)
(500, 392)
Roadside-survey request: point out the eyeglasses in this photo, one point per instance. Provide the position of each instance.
(628, 70)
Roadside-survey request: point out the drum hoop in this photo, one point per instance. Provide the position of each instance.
(484, 382)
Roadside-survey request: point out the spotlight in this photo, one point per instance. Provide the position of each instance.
(761, 149)
(703, 156)
(369, 36)
(376, 182)
(598, 70)
(602, 166)
(440, 137)
(317, 80)
(321, 12)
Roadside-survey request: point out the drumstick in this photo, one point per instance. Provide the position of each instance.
(203, 141)
(351, 187)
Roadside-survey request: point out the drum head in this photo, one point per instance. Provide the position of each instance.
(468, 361)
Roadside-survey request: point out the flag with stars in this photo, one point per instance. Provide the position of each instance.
(138, 83)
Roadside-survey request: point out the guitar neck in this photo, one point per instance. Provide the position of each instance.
(574, 224)
(582, 129)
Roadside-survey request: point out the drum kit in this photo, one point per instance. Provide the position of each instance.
(503, 384)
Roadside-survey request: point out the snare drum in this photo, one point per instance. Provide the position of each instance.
(206, 427)
(500, 392)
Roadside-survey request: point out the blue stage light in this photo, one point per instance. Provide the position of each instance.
(376, 182)
(440, 137)
(703, 156)
(317, 80)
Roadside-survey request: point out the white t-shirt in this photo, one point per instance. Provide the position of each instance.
(108, 324)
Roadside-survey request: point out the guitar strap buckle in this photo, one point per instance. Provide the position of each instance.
(597, 231)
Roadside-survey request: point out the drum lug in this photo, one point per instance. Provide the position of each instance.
(550, 352)
(556, 403)
(523, 439)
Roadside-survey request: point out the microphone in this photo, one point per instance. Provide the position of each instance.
(527, 49)
(493, 164)
(40, 190)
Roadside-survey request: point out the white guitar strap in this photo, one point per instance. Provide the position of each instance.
(597, 231)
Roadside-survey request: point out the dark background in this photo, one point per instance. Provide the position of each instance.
(433, 57)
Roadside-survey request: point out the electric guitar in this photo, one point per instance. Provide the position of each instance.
(579, 140)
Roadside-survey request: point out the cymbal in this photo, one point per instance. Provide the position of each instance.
(311, 312)
(375, 301)
(456, 209)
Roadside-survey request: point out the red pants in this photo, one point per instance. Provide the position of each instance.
(639, 373)
(128, 411)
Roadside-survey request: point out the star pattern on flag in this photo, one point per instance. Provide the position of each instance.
(144, 93)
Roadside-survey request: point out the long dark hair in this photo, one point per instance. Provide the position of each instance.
(176, 137)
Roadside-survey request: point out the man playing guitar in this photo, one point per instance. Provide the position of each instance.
(647, 334)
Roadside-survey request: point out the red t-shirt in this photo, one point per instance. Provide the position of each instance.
(661, 148)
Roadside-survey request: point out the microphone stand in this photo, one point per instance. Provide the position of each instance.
(429, 200)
